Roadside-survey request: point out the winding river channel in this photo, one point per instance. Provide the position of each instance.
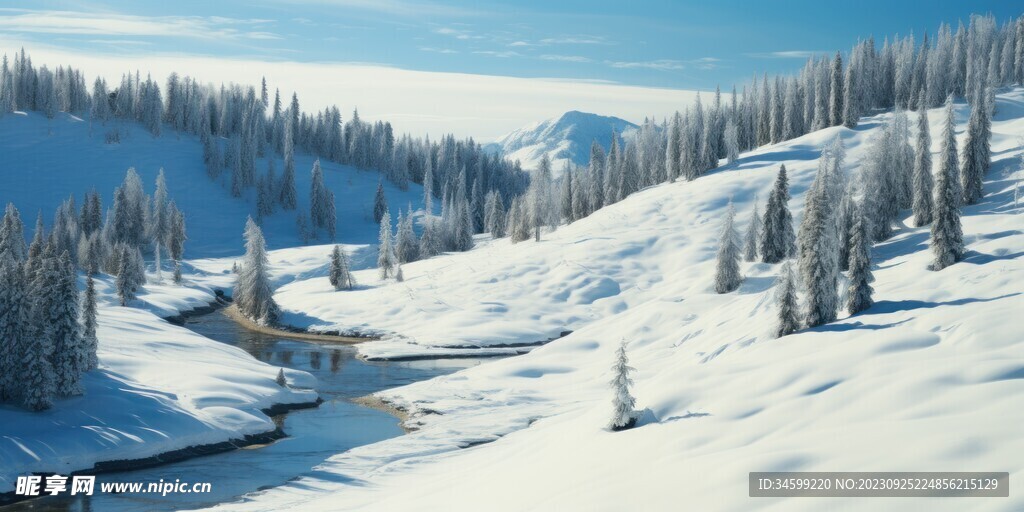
(314, 434)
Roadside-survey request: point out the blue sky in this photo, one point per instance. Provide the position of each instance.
(672, 44)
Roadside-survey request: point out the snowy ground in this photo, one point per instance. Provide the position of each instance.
(929, 379)
(159, 388)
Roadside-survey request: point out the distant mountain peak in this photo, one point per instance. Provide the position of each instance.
(566, 138)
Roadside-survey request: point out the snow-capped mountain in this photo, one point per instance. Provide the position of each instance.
(566, 138)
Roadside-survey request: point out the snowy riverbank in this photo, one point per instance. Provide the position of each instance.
(160, 388)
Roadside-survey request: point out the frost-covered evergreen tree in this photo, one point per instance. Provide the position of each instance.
(624, 413)
(320, 200)
(541, 206)
(858, 294)
(399, 275)
(727, 263)
(428, 185)
(786, 302)
(280, 379)
(947, 238)
(124, 283)
(176, 238)
(386, 258)
(380, 203)
(407, 248)
(732, 144)
(340, 276)
(818, 242)
(518, 221)
(90, 342)
(977, 151)
(753, 236)
(14, 316)
(69, 356)
(287, 190)
(494, 216)
(253, 294)
(12, 235)
(778, 240)
(922, 202)
(672, 154)
(836, 91)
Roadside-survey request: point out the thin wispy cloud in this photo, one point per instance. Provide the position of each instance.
(788, 54)
(437, 50)
(499, 54)
(83, 23)
(457, 33)
(404, 8)
(566, 58)
(575, 40)
(660, 64)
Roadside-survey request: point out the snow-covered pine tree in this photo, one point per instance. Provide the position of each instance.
(778, 240)
(753, 236)
(287, 188)
(672, 147)
(340, 276)
(12, 235)
(253, 294)
(567, 195)
(946, 233)
(69, 356)
(399, 275)
(380, 203)
(176, 236)
(732, 145)
(36, 377)
(428, 184)
(124, 283)
(319, 196)
(836, 91)
(786, 302)
(90, 342)
(407, 248)
(977, 150)
(818, 243)
(922, 186)
(281, 380)
(727, 263)
(624, 413)
(541, 200)
(14, 316)
(858, 295)
(386, 259)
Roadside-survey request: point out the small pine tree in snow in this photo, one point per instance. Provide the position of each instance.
(753, 235)
(727, 268)
(778, 240)
(380, 203)
(124, 283)
(858, 296)
(922, 186)
(281, 380)
(287, 189)
(399, 275)
(785, 299)
(340, 276)
(386, 259)
(947, 238)
(89, 340)
(624, 414)
(253, 294)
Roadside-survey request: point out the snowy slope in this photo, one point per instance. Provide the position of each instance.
(44, 161)
(930, 378)
(159, 388)
(563, 139)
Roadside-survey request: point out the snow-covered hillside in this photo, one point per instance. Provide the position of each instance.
(46, 160)
(929, 379)
(563, 139)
